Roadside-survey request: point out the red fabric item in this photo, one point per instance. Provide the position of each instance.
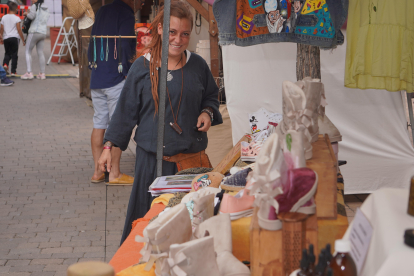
(128, 254)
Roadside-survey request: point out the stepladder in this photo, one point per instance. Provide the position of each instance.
(68, 42)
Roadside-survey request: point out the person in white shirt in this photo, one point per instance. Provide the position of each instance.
(11, 32)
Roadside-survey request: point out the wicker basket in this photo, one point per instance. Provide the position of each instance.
(77, 8)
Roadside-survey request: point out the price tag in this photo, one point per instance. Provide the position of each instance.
(360, 238)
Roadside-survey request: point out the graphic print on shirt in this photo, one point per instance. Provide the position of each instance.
(274, 17)
(315, 9)
(245, 24)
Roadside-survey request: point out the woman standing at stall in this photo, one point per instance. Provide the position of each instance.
(191, 108)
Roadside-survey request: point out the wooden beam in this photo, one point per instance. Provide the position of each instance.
(199, 8)
(214, 48)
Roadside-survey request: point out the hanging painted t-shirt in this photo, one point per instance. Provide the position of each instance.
(250, 22)
(380, 45)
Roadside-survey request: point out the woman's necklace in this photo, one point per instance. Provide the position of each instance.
(175, 125)
(169, 76)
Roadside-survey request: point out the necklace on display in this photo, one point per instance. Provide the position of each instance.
(169, 76)
(94, 65)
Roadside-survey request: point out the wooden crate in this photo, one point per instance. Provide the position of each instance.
(324, 164)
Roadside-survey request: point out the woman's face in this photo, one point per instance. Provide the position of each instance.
(34, 1)
(180, 31)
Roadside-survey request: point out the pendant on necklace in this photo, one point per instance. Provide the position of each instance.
(176, 127)
(169, 76)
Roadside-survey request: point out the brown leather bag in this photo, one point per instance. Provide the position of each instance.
(189, 160)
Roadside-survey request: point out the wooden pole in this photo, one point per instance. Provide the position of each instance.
(213, 30)
(308, 62)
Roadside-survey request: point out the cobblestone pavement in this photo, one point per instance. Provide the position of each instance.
(51, 216)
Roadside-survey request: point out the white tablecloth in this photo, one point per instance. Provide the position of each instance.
(386, 209)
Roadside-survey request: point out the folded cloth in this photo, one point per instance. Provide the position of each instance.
(164, 199)
(137, 270)
(123, 257)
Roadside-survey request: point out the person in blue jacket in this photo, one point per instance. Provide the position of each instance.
(110, 61)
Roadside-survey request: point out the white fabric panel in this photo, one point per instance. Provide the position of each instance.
(372, 122)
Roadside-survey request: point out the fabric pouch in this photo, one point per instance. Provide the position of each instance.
(189, 160)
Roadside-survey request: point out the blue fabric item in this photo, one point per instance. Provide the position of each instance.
(2, 73)
(334, 12)
(113, 19)
(136, 107)
(238, 179)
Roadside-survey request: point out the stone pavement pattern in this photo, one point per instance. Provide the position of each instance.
(51, 216)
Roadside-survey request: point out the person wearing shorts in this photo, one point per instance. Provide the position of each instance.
(107, 78)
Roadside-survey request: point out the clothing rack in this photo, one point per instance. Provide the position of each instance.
(108, 36)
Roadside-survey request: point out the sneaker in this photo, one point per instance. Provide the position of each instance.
(41, 76)
(6, 82)
(27, 76)
(235, 182)
(6, 68)
(295, 195)
(13, 74)
(238, 206)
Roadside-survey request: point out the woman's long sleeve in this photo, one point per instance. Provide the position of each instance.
(210, 97)
(32, 14)
(126, 114)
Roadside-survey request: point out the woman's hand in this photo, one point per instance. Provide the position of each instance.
(105, 158)
(205, 119)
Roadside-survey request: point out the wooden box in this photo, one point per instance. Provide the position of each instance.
(324, 164)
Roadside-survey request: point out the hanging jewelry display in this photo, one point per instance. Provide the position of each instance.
(107, 49)
(90, 57)
(115, 52)
(169, 76)
(102, 50)
(94, 65)
(120, 56)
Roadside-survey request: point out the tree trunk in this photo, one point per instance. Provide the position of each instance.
(308, 62)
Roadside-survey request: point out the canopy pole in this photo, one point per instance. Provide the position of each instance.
(163, 85)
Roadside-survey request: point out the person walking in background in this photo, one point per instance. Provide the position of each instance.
(11, 31)
(5, 81)
(39, 14)
(108, 76)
